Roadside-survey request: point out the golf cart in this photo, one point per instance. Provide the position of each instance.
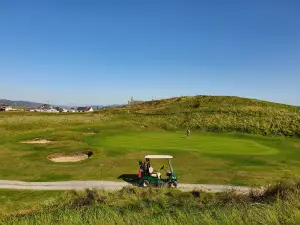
(148, 176)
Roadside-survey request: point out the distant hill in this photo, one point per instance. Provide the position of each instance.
(95, 107)
(20, 103)
(36, 104)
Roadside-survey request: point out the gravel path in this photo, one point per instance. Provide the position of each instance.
(107, 185)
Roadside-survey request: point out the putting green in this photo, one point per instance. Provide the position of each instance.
(211, 144)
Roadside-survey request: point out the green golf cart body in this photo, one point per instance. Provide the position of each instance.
(149, 177)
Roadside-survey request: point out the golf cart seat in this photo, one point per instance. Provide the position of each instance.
(154, 174)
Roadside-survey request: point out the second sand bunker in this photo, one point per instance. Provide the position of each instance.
(73, 157)
(37, 141)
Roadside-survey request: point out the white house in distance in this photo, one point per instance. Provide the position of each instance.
(85, 109)
(6, 108)
(45, 108)
(61, 110)
(72, 110)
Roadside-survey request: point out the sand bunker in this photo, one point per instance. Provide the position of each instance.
(73, 157)
(36, 141)
(90, 133)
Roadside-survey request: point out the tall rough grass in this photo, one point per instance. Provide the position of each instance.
(278, 204)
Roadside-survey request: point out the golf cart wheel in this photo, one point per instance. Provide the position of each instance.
(173, 184)
(145, 183)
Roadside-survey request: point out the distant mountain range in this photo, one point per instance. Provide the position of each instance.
(20, 103)
(29, 104)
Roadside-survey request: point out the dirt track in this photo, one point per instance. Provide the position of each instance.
(107, 185)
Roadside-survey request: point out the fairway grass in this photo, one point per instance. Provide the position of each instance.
(171, 141)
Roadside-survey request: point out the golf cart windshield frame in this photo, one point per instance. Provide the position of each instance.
(158, 157)
(169, 157)
(170, 165)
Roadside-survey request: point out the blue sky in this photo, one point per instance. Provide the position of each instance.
(104, 52)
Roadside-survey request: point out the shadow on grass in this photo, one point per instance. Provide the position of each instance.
(130, 178)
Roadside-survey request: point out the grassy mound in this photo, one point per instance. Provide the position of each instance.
(278, 204)
(223, 114)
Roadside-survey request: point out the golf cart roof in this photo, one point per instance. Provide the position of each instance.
(158, 157)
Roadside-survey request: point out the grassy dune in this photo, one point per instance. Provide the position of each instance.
(224, 114)
(279, 204)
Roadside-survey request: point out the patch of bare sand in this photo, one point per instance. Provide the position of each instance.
(36, 141)
(75, 157)
(69, 158)
(90, 133)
